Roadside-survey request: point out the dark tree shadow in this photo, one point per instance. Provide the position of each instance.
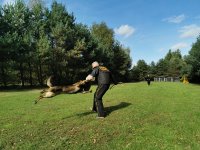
(108, 110)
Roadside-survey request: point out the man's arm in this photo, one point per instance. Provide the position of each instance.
(94, 73)
(89, 78)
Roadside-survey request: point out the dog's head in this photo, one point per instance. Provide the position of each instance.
(84, 84)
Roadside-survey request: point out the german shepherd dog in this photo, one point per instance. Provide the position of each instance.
(83, 86)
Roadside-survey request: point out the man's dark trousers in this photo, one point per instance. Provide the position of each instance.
(97, 102)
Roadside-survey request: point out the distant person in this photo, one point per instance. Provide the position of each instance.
(148, 79)
(103, 77)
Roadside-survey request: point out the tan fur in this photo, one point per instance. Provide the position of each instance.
(69, 89)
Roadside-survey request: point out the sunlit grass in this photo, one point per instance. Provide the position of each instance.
(160, 116)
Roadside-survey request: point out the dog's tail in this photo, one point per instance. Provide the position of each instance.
(49, 81)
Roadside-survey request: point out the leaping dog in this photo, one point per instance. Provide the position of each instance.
(82, 86)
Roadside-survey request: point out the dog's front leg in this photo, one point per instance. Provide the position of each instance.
(84, 92)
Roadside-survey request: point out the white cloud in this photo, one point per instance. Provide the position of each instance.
(179, 46)
(175, 19)
(190, 31)
(8, 2)
(125, 30)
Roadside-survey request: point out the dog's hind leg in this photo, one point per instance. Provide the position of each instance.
(39, 98)
(44, 90)
(45, 95)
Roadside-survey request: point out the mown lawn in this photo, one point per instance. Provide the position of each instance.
(161, 116)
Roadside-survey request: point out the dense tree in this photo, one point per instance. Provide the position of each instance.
(135, 74)
(152, 69)
(61, 35)
(36, 42)
(140, 70)
(16, 18)
(171, 65)
(162, 67)
(193, 62)
(121, 62)
(35, 3)
(4, 49)
(175, 63)
(104, 38)
(39, 49)
(110, 52)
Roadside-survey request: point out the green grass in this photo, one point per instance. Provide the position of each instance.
(161, 116)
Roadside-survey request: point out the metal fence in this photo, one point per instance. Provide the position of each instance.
(167, 79)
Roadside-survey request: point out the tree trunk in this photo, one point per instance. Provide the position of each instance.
(30, 74)
(3, 75)
(21, 69)
(40, 70)
(39, 73)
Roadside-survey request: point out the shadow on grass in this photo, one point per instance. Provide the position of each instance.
(79, 114)
(121, 105)
(21, 89)
(108, 110)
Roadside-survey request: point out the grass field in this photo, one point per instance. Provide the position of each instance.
(161, 116)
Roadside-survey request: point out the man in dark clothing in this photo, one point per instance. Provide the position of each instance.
(103, 77)
(148, 79)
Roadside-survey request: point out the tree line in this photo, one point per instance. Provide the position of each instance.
(172, 65)
(36, 42)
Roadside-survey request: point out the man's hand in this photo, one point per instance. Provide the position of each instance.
(89, 78)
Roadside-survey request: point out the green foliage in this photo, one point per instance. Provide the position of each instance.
(104, 38)
(36, 42)
(110, 52)
(152, 69)
(121, 62)
(193, 62)
(172, 65)
(175, 63)
(35, 3)
(103, 35)
(142, 68)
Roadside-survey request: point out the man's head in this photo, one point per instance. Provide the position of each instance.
(95, 64)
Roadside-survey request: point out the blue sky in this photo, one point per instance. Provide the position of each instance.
(148, 27)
